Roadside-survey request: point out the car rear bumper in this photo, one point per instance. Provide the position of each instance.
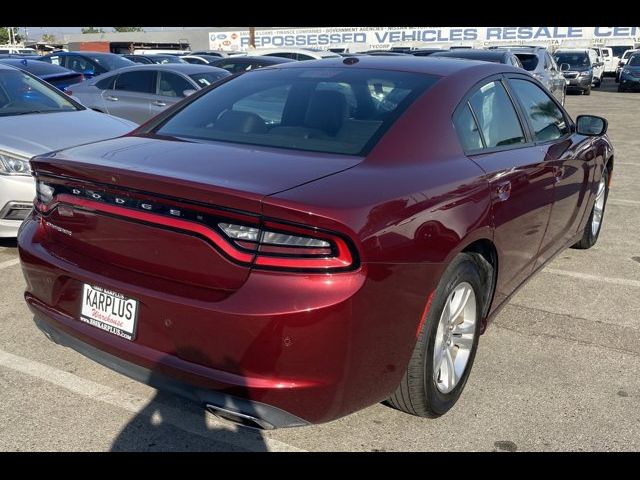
(293, 348)
(268, 416)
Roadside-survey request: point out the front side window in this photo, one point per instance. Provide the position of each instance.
(332, 110)
(496, 116)
(546, 118)
(634, 61)
(172, 85)
(141, 81)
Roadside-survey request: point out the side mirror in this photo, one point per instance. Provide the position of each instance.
(591, 125)
(188, 92)
(564, 67)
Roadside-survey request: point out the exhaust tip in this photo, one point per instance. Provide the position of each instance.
(242, 419)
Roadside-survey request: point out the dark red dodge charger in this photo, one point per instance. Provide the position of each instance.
(299, 242)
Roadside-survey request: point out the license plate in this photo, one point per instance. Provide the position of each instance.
(109, 311)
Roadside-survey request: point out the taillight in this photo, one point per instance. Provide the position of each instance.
(291, 248)
(270, 245)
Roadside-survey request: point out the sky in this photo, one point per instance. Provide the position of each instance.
(36, 32)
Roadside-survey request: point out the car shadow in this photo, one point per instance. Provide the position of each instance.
(8, 242)
(172, 423)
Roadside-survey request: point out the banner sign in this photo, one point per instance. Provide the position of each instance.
(364, 38)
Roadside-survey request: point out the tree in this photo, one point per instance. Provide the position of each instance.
(128, 29)
(92, 30)
(48, 38)
(5, 38)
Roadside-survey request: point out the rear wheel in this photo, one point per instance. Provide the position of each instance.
(447, 343)
(587, 91)
(620, 89)
(592, 229)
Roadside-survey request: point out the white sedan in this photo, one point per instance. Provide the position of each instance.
(36, 118)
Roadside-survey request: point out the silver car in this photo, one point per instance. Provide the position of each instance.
(140, 92)
(539, 63)
(36, 118)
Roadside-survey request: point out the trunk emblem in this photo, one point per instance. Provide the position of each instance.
(174, 212)
(76, 191)
(96, 196)
(119, 201)
(146, 206)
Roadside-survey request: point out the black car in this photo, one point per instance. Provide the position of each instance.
(496, 56)
(242, 64)
(630, 74)
(57, 76)
(150, 59)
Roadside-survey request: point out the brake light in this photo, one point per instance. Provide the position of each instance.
(270, 245)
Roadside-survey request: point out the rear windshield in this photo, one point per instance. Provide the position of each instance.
(529, 61)
(110, 61)
(332, 110)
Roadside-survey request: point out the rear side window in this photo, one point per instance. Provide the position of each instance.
(467, 129)
(332, 110)
(142, 81)
(496, 116)
(106, 83)
(546, 118)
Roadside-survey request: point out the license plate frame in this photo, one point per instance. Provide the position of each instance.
(109, 311)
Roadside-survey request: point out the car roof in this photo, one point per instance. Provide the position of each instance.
(185, 68)
(255, 58)
(322, 53)
(491, 55)
(439, 66)
(36, 67)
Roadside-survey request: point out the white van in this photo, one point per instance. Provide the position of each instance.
(606, 54)
(13, 50)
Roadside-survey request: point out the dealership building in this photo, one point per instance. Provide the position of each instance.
(351, 39)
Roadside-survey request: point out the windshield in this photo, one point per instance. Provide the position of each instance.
(574, 59)
(634, 61)
(628, 53)
(20, 94)
(618, 50)
(332, 110)
(205, 79)
(111, 61)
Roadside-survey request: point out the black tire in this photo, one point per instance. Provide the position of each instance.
(620, 89)
(587, 91)
(417, 393)
(589, 239)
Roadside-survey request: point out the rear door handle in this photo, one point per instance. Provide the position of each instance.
(503, 191)
(158, 103)
(111, 98)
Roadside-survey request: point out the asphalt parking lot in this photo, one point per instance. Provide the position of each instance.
(559, 369)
